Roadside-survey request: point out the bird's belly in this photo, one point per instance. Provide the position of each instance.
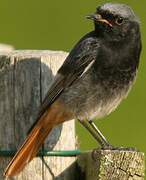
(93, 105)
(102, 109)
(88, 100)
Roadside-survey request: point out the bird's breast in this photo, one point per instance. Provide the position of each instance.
(90, 97)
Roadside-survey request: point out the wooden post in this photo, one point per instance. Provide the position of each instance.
(24, 80)
(120, 164)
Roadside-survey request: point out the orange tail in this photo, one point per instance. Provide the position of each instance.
(35, 139)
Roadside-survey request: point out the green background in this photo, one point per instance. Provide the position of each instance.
(58, 25)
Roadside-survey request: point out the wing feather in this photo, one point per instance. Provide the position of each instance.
(78, 61)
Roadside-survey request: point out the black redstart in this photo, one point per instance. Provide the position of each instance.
(97, 74)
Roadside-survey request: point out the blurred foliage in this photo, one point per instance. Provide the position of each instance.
(58, 25)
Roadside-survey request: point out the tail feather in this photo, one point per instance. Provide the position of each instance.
(29, 149)
(53, 116)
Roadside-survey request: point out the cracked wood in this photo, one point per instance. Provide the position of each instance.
(118, 164)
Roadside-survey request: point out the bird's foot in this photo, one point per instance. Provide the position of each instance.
(108, 147)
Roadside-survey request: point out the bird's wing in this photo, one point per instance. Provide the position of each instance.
(78, 61)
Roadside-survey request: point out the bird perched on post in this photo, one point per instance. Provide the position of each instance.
(97, 74)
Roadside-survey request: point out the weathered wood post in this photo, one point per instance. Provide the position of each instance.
(118, 164)
(24, 80)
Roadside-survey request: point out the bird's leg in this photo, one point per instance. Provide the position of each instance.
(102, 140)
(92, 133)
(107, 144)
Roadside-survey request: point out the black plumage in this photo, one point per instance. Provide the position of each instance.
(101, 68)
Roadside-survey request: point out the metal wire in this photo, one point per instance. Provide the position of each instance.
(46, 153)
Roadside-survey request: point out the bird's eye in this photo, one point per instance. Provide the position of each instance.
(119, 21)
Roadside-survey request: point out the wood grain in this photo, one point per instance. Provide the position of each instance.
(24, 80)
(124, 164)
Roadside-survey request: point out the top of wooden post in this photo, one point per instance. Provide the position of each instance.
(6, 47)
(118, 164)
(31, 53)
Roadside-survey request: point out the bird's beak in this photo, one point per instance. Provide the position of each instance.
(98, 17)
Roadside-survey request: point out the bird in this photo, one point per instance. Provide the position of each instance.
(95, 77)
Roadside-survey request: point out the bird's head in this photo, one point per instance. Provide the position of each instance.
(115, 21)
